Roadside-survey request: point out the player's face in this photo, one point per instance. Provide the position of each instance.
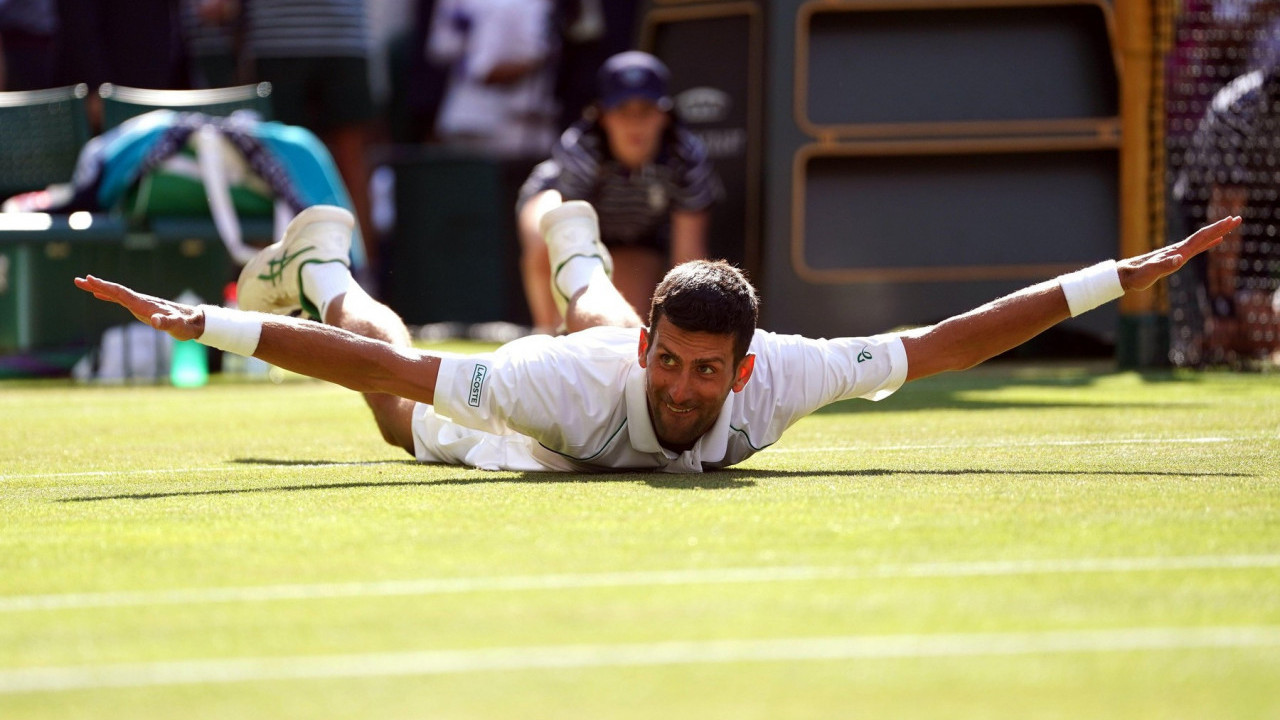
(634, 130)
(687, 377)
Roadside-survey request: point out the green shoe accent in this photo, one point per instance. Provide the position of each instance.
(308, 307)
(276, 267)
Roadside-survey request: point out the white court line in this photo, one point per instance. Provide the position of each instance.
(654, 578)
(558, 657)
(182, 470)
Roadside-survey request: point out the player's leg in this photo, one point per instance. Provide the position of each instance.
(535, 267)
(581, 270)
(356, 311)
(307, 272)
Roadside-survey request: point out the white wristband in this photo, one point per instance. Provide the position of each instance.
(1088, 288)
(230, 330)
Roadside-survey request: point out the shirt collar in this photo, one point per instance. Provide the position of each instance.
(639, 424)
(711, 447)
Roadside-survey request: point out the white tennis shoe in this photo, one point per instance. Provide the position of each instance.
(271, 282)
(572, 230)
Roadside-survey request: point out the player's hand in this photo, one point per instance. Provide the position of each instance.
(1141, 272)
(183, 322)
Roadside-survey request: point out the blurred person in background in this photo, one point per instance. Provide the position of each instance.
(1232, 166)
(213, 41)
(501, 57)
(647, 176)
(389, 22)
(315, 54)
(136, 43)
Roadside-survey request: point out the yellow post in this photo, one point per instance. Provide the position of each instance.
(1135, 31)
(1143, 334)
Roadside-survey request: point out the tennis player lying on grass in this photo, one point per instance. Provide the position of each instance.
(699, 388)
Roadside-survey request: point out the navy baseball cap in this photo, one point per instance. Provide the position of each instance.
(630, 75)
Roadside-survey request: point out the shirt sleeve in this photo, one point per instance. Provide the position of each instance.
(804, 374)
(561, 393)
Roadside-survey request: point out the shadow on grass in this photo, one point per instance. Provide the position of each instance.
(713, 480)
(724, 480)
(322, 463)
(951, 391)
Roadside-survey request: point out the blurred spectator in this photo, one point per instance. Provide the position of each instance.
(213, 43)
(28, 44)
(647, 176)
(501, 55)
(315, 54)
(423, 81)
(137, 43)
(389, 21)
(1214, 42)
(127, 42)
(1232, 167)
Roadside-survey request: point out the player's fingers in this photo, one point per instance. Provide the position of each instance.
(100, 293)
(90, 281)
(1205, 238)
(1212, 234)
(89, 284)
(102, 289)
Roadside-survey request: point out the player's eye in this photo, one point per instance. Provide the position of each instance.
(667, 360)
(707, 369)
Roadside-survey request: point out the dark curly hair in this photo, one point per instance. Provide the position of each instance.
(709, 296)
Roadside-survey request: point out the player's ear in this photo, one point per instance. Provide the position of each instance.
(644, 346)
(745, 368)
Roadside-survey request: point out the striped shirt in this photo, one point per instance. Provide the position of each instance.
(634, 206)
(307, 28)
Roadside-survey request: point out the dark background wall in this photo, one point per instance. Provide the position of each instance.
(905, 163)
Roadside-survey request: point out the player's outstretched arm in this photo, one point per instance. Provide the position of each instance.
(965, 340)
(320, 351)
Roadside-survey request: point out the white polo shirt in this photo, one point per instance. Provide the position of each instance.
(577, 402)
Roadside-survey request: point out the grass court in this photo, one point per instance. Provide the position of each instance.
(1048, 541)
